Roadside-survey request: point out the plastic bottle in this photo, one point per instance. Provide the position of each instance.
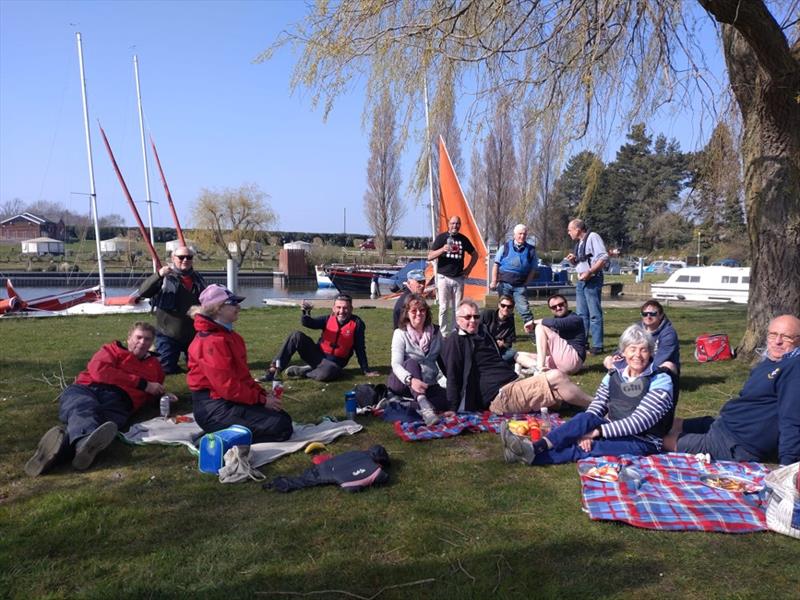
(350, 404)
(164, 406)
(545, 425)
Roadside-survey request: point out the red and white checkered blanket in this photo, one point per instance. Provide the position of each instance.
(671, 496)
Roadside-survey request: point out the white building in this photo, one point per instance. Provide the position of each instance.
(42, 245)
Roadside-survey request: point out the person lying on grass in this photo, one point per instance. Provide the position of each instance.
(763, 422)
(478, 378)
(224, 392)
(631, 413)
(118, 381)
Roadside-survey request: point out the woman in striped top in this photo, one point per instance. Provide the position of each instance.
(631, 413)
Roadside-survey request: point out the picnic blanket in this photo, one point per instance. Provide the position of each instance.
(475, 422)
(667, 494)
(165, 431)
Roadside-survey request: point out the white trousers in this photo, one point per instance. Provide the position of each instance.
(450, 291)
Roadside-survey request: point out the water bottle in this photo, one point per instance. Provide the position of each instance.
(350, 404)
(163, 406)
(544, 427)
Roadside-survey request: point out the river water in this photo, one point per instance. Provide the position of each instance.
(254, 295)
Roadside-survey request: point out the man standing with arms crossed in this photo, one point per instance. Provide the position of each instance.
(448, 250)
(589, 257)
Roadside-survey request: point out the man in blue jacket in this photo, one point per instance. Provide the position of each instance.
(763, 422)
(514, 266)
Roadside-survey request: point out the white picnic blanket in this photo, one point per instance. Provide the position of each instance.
(164, 431)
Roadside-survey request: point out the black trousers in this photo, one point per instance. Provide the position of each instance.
(322, 368)
(266, 424)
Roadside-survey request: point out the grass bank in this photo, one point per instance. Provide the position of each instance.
(145, 523)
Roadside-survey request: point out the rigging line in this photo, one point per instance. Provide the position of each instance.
(64, 86)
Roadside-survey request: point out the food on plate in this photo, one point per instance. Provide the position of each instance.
(518, 427)
(608, 473)
(730, 484)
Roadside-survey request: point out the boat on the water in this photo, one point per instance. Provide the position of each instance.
(323, 280)
(374, 280)
(705, 284)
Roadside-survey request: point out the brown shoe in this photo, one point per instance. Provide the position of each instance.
(46, 453)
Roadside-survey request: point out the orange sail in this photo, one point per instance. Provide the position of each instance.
(453, 203)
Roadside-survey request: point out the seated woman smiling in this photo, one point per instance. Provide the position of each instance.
(416, 344)
(224, 392)
(631, 413)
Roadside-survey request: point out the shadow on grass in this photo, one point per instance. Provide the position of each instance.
(691, 383)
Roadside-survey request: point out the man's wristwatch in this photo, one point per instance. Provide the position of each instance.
(408, 379)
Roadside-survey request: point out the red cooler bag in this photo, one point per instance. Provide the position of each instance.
(712, 346)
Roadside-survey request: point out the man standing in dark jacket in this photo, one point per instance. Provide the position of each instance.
(174, 290)
(763, 422)
(343, 334)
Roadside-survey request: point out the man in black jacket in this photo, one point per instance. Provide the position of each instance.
(174, 289)
(500, 325)
(477, 375)
(414, 284)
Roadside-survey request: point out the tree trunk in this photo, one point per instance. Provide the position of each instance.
(765, 78)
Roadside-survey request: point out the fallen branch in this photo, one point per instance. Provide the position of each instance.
(56, 380)
(467, 573)
(351, 594)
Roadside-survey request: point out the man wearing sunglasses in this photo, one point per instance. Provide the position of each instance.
(667, 353)
(174, 290)
(479, 379)
(560, 340)
(448, 251)
(763, 422)
(500, 325)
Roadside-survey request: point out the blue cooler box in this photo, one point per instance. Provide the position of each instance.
(214, 445)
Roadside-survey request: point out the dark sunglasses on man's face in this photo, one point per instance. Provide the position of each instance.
(506, 305)
(649, 313)
(470, 317)
(184, 257)
(557, 306)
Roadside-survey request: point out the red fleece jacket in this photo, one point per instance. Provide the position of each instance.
(115, 365)
(218, 363)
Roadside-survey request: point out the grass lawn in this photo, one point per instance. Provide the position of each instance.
(143, 522)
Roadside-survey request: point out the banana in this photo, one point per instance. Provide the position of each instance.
(315, 446)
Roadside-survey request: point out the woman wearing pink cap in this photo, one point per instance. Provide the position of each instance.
(223, 391)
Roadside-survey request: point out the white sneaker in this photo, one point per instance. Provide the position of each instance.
(426, 411)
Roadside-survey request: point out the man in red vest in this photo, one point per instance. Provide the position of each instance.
(342, 335)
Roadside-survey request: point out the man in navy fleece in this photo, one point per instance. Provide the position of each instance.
(763, 422)
(560, 340)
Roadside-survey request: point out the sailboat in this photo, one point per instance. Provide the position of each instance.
(84, 301)
(453, 203)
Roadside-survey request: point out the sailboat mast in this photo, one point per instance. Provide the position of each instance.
(92, 191)
(429, 143)
(144, 155)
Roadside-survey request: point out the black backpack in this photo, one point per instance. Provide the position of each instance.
(369, 395)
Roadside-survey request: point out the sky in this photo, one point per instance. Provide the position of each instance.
(219, 119)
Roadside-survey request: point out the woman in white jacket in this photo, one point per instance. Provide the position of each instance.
(416, 344)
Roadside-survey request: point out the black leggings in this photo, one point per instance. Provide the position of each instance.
(266, 424)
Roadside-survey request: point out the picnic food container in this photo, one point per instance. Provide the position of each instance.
(214, 445)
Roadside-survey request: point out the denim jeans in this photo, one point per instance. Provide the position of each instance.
(587, 305)
(565, 442)
(169, 352)
(520, 299)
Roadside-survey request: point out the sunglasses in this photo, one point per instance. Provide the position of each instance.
(469, 317)
(557, 306)
(184, 257)
(501, 305)
(649, 313)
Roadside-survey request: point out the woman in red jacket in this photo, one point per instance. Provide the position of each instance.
(223, 391)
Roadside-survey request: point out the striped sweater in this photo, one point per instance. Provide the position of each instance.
(656, 403)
